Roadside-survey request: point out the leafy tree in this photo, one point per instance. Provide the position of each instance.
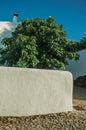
(37, 43)
(82, 43)
(77, 46)
(72, 45)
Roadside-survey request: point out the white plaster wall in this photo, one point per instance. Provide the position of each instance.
(6, 29)
(25, 92)
(78, 68)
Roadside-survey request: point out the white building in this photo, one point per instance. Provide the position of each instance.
(78, 68)
(6, 27)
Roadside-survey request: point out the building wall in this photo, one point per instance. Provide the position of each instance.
(25, 92)
(78, 68)
(6, 29)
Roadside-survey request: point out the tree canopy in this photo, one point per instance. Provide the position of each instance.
(37, 43)
(82, 44)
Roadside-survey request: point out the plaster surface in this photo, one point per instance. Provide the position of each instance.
(6, 29)
(25, 92)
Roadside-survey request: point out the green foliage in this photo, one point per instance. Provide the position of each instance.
(37, 43)
(82, 43)
(77, 46)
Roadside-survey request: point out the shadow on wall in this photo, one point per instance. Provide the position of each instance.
(78, 67)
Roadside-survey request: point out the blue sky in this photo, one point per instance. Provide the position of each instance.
(70, 13)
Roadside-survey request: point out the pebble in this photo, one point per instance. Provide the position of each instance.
(75, 120)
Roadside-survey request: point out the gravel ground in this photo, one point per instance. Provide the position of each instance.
(75, 120)
(61, 121)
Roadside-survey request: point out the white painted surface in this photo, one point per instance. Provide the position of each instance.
(6, 29)
(78, 68)
(15, 19)
(25, 92)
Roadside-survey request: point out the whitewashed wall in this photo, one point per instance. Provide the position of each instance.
(78, 67)
(6, 28)
(25, 92)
